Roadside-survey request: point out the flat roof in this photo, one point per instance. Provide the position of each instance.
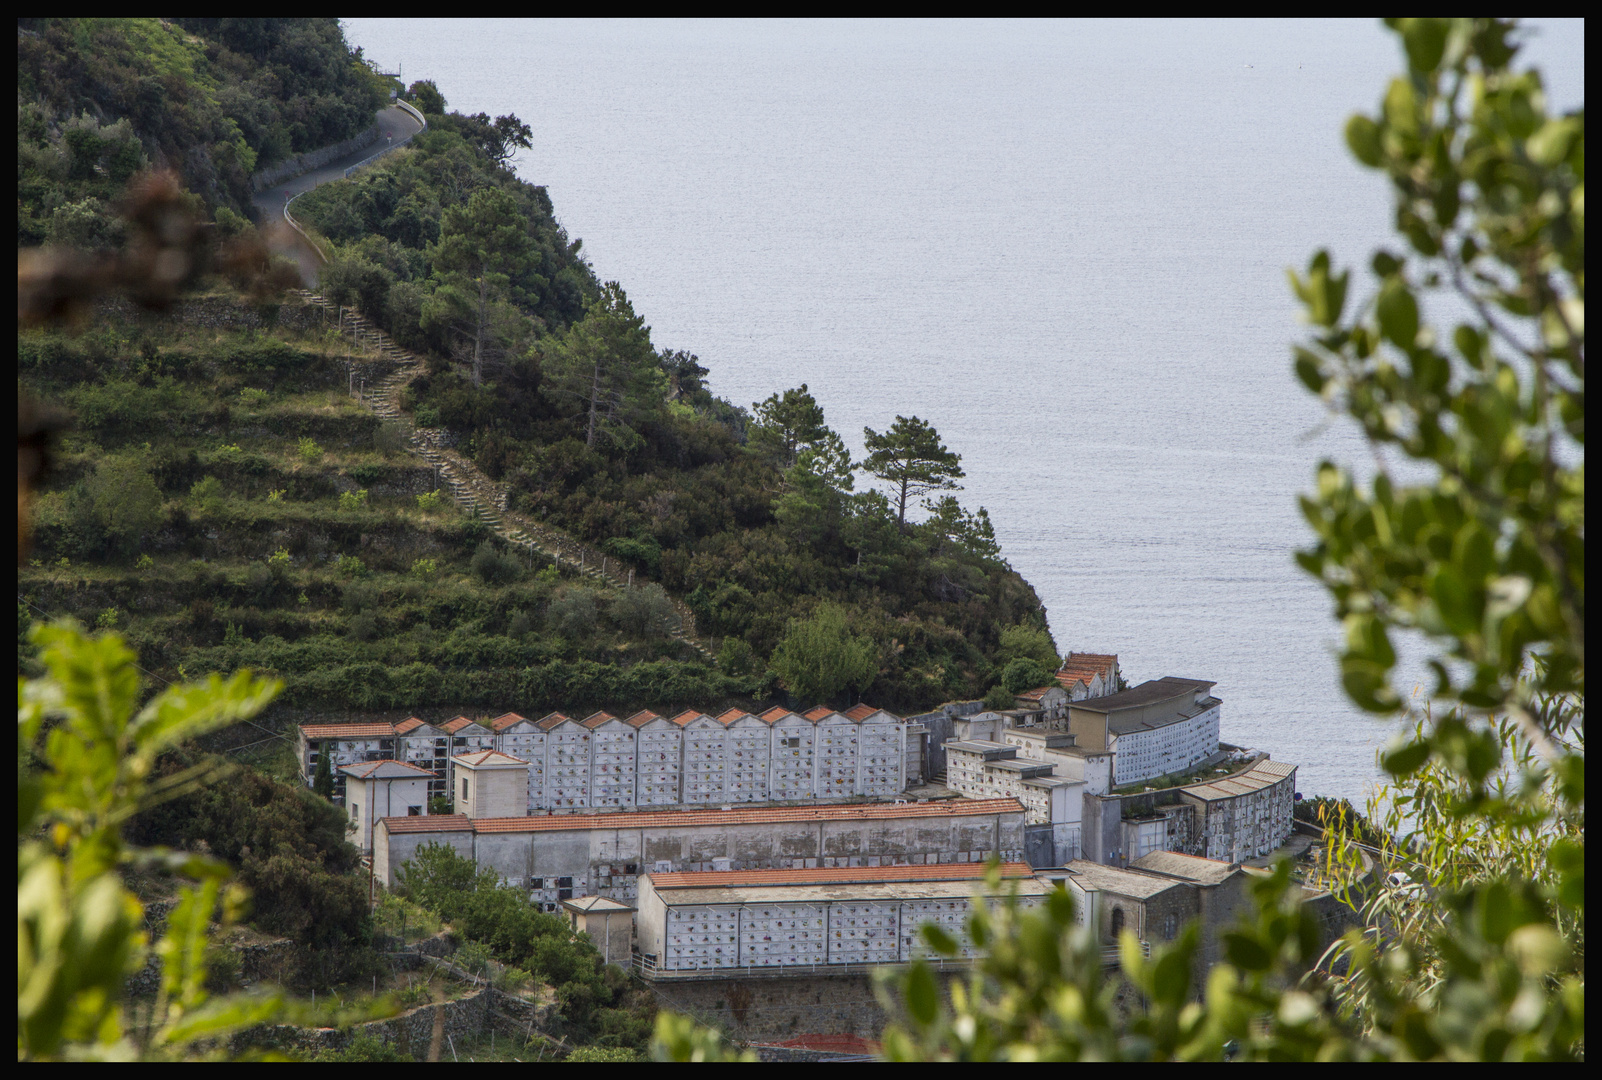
(890, 892)
(978, 746)
(1259, 776)
(1138, 884)
(747, 815)
(739, 879)
(1147, 693)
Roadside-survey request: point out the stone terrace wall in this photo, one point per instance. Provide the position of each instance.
(221, 313)
(313, 159)
(412, 1032)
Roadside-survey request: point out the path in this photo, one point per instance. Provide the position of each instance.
(395, 125)
(477, 494)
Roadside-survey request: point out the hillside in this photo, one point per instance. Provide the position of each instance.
(224, 500)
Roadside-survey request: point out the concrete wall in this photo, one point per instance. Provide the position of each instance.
(492, 792)
(390, 852)
(605, 862)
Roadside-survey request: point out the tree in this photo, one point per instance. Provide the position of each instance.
(1024, 673)
(124, 501)
(323, 776)
(819, 658)
(425, 94)
(1033, 642)
(1474, 947)
(606, 363)
(911, 459)
(500, 138)
(481, 245)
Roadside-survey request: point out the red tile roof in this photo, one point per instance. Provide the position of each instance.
(1033, 695)
(347, 731)
(686, 716)
(1084, 666)
(455, 724)
(397, 770)
(854, 875)
(861, 711)
(550, 720)
(818, 712)
(750, 815)
(428, 823)
(506, 720)
(411, 723)
(489, 757)
(596, 719)
(774, 715)
(729, 716)
(829, 1044)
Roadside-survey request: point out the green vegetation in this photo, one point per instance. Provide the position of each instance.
(600, 1005)
(215, 99)
(1474, 915)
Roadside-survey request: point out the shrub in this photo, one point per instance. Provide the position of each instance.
(206, 494)
(366, 1047)
(145, 562)
(736, 658)
(350, 566)
(999, 697)
(279, 560)
(519, 624)
(425, 569)
(495, 567)
(275, 495)
(309, 450)
(1023, 674)
(252, 398)
(573, 614)
(430, 502)
(364, 627)
(353, 500)
(641, 611)
(107, 619)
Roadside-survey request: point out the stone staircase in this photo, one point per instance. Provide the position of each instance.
(477, 494)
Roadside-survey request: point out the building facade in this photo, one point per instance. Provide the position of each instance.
(706, 924)
(604, 854)
(1158, 728)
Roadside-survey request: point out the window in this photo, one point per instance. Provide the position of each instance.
(630, 868)
(1117, 921)
(355, 811)
(536, 883)
(1170, 926)
(414, 811)
(564, 883)
(464, 788)
(793, 741)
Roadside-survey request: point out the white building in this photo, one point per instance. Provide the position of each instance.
(711, 924)
(1248, 814)
(381, 789)
(990, 770)
(1158, 728)
(491, 784)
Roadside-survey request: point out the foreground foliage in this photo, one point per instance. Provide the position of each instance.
(1474, 898)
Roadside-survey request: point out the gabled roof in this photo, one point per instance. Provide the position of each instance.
(506, 720)
(1187, 867)
(818, 712)
(385, 770)
(550, 720)
(774, 715)
(847, 875)
(428, 823)
(643, 717)
(1037, 693)
(601, 904)
(348, 731)
(457, 723)
(729, 716)
(860, 711)
(408, 725)
(687, 716)
(489, 759)
(1082, 667)
(596, 719)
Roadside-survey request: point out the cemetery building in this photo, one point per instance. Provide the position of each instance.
(380, 789)
(771, 921)
(1160, 727)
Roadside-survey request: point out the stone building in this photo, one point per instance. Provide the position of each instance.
(1052, 804)
(698, 925)
(490, 784)
(1158, 728)
(603, 854)
(1248, 814)
(380, 789)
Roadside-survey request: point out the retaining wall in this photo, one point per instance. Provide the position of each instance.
(312, 159)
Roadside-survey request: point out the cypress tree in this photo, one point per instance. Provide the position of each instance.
(323, 778)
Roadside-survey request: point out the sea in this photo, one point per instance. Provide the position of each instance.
(1064, 244)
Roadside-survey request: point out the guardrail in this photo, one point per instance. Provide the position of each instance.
(364, 162)
(304, 235)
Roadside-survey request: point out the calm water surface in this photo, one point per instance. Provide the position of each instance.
(1063, 244)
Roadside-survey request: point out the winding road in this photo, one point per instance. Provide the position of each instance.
(395, 126)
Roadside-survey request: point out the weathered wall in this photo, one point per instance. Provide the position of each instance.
(219, 313)
(312, 159)
(425, 1032)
